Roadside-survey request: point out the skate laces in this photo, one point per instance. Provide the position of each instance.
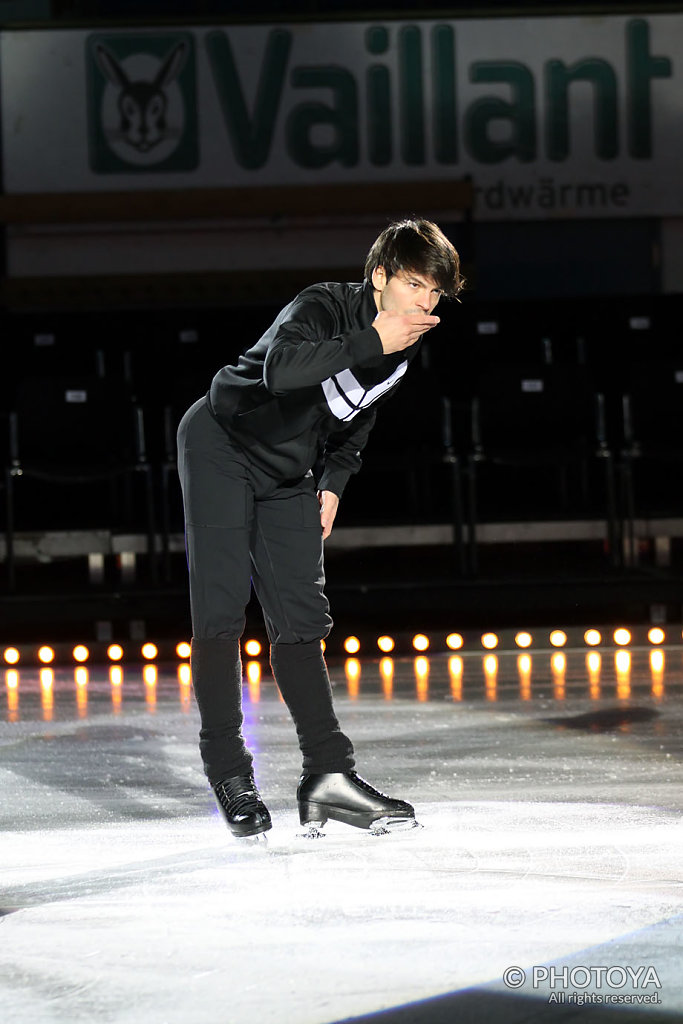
(239, 796)
(370, 790)
(246, 803)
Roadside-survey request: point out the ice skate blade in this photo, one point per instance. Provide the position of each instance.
(313, 830)
(384, 826)
(260, 839)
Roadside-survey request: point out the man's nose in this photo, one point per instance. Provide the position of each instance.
(424, 301)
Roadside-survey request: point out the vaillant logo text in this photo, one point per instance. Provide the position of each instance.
(400, 102)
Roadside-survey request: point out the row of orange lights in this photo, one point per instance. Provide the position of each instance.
(80, 653)
(351, 645)
(489, 641)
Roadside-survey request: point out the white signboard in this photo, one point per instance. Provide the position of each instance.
(551, 117)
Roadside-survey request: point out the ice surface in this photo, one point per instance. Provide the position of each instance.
(124, 899)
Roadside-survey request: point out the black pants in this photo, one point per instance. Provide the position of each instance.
(243, 527)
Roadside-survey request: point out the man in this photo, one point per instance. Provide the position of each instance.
(305, 395)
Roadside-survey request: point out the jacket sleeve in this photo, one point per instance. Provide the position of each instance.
(305, 350)
(342, 455)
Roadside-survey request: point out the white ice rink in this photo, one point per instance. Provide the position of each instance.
(546, 884)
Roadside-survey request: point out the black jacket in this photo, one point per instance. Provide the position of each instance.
(306, 392)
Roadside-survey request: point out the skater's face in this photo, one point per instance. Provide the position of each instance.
(405, 292)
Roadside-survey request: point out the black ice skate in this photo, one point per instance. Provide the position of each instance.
(241, 805)
(345, 797)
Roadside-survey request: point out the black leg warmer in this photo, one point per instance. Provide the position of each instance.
(217, 682)
(301, 674)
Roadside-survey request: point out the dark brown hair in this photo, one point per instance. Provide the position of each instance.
(421, 246)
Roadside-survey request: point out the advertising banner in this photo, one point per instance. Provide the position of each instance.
(550, 116)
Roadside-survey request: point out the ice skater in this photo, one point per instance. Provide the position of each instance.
(302, 399)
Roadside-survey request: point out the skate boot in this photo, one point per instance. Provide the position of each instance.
(240, 803)
(344, 796)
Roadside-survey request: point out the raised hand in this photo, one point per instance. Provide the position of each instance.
(401, 330)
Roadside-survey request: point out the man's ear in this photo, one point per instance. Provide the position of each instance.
(379, 278)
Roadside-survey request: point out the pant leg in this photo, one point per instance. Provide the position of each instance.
(218, 500)
(289, 579)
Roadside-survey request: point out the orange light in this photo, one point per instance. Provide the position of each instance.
(254, 681)
(656, 635)
(422, 678)
(150, 676)
(455, 667)
(184, 684)
(657, 669)
(622, 636)
(149, 651)
(352, 645)
(47, 678)
(46, 654)
(558, 638)
(524, 639)
(454, 641)
(593, 663)
(489, 641)
(253, 648)
(80, 653)
(558, 663)
(385, 644)
(11, 655)
(183, 649)
(115, 652)
(558, 666)
(386, 670)
(592, 637)
(81, 676)
(594, 666)
(116, 675)
(352, 671)
(323, 646)
(491, 676)
(622, 661)
(524, 670)
(420, 642)
(421, 667)
(12, 683)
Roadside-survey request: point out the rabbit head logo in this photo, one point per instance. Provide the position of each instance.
(140, 102)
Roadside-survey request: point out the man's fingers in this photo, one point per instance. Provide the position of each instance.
(398, 331)
(326, 523)
(425, 318)
(414, 318)
(329, 503)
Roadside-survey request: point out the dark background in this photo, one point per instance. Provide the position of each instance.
(576, 298)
